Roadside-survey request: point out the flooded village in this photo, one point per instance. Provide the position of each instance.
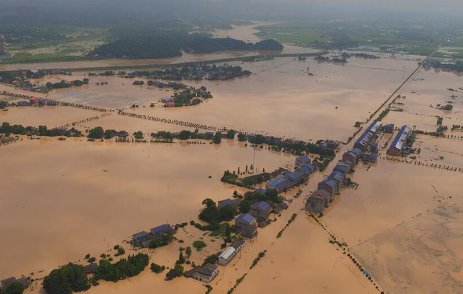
(284, 172)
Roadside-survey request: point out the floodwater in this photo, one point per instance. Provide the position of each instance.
(50, 116)
(63, 193)
(281, 99)
(390, 224)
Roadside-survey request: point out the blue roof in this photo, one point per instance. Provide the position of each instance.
(401, 137)
(160, 228)
(276, 181)
(262, 205)
(293, 176)
(342, 168)
(262, 191)
(140, 235)
(356, 151)
(168, 100)
(226, 202)
(336, 176)
(304, 169)
(304, 158)
(330, 183)
(245, 217)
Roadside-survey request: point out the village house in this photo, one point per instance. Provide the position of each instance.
(315, 204)
(340, 178)
(228, 254)
(352, 155)
(261, 210)
(249, 231)
(225, 202)
(140, 238)
(343, 166)
(261, 191)
(297, 178)
(368, 136)
(398, 145)
(370, 157)
(8, 140)
(162, 230)
(7, 282)
(330, 186)
(205, 273)
(326, 195)
(389, 129)
(245, 219)
(374, 147)
(90, 268)
(306, 169)
(302, 160)
(279, 184)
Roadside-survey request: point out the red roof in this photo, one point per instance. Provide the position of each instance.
(34, 99)
(170, 104)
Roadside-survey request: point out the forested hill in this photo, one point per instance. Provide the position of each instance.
(164, 45)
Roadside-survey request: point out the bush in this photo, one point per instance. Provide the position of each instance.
(66, 279)
(177, 271)
(157, 268)
(199, 245)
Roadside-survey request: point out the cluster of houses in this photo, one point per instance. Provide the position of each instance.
(143, 239)
(289, 180)
(399, 145)
(364, 149)
(36, 101)
(247, 223)
(4, 284)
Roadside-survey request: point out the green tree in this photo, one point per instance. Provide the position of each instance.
(181, 259)
(241, 137)
(14, 288)
(245, 206)
(96, 133)
(3, 104)
(231, 134)
(217, 138)
(188, 251)
(227, 212)
(177, 271)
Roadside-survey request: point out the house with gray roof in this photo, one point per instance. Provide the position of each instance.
(205, 273)
(340, 179)
(315, 204)
(329, 185)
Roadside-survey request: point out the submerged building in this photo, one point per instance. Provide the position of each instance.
(399, 143)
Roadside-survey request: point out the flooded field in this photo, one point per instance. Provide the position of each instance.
(280, 98)
(93, 194)
(50, 116)
(392, 222)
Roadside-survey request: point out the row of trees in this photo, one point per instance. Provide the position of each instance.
(8, 129)
(71, 277)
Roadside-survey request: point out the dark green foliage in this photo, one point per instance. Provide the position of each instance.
(199, 245)
(241, 137)
(210, 213)
(65, 280)
(96, 133)
(167, 43)
(227, 212)
(177, 271)
(124, 268)
(181, 259)
(157, 268)
(3, 104)
(211, 259)
(188, 252)
(217, 138)
(120, 251)
(231, 134)
(138, 135)
(245, 206)
(14, 288)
